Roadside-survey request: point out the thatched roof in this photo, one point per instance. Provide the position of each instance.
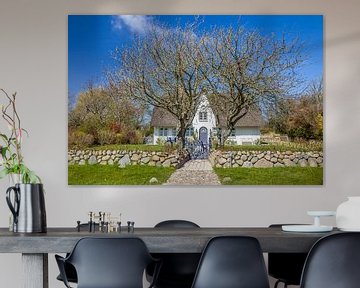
(163, 118)
(251, 119)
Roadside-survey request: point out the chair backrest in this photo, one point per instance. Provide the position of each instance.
(232, 262)
(333, 262)
(178, 269)
(110, 262)
(176, 224)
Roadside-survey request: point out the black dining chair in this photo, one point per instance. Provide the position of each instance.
(232, 262)
(70, 271)
(286, 267)
(178, 269)
(108, 263)
(333, 262)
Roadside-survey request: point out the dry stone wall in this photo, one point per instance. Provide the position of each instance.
(227, 159)
(265, 159)
(124, 158)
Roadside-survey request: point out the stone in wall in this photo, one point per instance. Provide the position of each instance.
(135, 157)
(155, 158)
(247, 164)
(105, 158)
(124, 161)
(166, 163)
(303, 163)
(312, 162)
(289, 163)
(145, 160)
(263, 163)
(254, 160)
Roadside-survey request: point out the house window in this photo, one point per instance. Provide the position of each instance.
(203, 117)
(173, 131)
(163, 132)
(189, 132)
(232, 133)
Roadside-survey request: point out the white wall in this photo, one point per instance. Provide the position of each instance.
(33, 62)
(211, 121)
(246, 135)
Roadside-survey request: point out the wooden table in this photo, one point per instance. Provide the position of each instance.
(35, 247)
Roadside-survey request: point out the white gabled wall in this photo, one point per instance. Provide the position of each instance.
(210, 122)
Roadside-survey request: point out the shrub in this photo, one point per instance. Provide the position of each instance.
(119, 138)
(91, 125)
(78, 139)
(133, 137)
(160, 141)
(214, 142)
(116, 127)
(169, 147)
(230, 142)
(106, 137)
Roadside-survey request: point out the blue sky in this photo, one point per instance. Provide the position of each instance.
(92, 38)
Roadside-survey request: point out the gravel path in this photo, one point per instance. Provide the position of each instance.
(194, 172)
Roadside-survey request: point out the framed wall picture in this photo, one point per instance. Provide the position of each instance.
(195, 100)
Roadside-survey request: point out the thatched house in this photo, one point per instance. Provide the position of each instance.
(205, 124)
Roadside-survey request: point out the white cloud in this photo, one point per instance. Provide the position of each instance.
(135, 23)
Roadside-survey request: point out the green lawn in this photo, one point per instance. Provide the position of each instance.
(294, 147)
(134, 147)
(271, 176)
(113, 175)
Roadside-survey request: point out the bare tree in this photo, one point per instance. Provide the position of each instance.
(315, 91)
(245, 69)
(125, 109)
(162, 69)
(236, 69)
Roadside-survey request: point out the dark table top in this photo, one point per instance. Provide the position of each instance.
(158, 240)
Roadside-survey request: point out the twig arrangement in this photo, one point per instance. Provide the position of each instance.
(12, 160)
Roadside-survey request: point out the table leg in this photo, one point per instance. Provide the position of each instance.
(35, 270)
